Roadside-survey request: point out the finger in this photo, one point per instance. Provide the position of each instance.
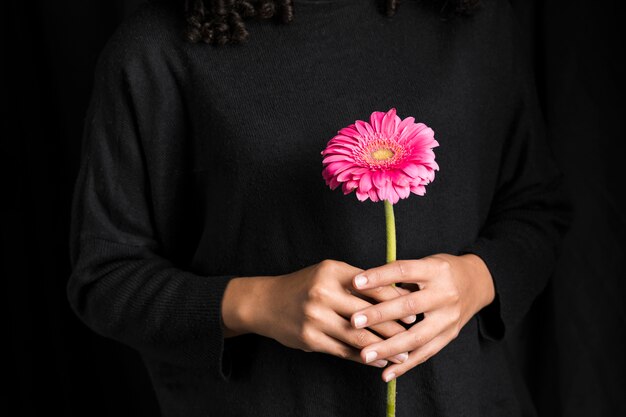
(410, 271)
(346, 304)
(389, 292)
(403, 291)
(414, 338)
(371, 294)
(384, 293)
(334, 347)
(341, 330)
(414, 303)
(418, 356)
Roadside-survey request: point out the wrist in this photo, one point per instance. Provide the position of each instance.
(482, 281)
(242, 305)
(231, 314)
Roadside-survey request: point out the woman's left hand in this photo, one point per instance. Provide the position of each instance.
(451, 290)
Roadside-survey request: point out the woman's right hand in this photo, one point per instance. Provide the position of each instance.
(309, 310)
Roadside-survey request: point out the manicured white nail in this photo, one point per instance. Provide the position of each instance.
(410, 319)
(370, 356)
(389, 377)
(360, 320)
(402, 357)
(360, 281)
(381, 363)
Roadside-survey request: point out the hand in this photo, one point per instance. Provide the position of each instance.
(451, 290)
(309, 309)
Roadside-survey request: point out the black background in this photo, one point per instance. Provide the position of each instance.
(570, 348)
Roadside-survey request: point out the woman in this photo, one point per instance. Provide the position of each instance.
(203, 234)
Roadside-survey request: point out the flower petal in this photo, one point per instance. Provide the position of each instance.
(376, 119)
(422, 171)
(364, 128)
(389, 123)
(418, 189)
(334, 147)
(348, 187)
(345, 175)
(349, 131)
(358, 170)
(433, 165)
(378, 179)
(392, 195)
(361, 196)
(400, 179)
(406, 122)
(365, 184)
(333, 183)
(408, 133)
(337, 157)
(411, 170)
(335, 168)
(374, 195)
(423, 136)
(340, 151)
(403, 192)
(384, 192)
(341, 138)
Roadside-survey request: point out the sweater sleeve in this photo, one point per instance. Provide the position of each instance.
(123, 284)
(529, 214)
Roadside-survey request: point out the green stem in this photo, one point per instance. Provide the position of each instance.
(391, 257)
(391, 232)
(391, 398)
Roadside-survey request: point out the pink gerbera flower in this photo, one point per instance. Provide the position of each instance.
(385, 159)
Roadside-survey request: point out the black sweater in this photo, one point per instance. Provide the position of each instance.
(203, 163)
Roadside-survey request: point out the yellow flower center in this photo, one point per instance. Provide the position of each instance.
(382, 154)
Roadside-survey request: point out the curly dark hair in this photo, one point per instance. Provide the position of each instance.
(218, 22)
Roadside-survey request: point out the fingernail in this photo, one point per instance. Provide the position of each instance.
(381, 363)
(370, 356)
(389, 377)
(410, 319)
(402, 357)
(360, 281)
(360, 320)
